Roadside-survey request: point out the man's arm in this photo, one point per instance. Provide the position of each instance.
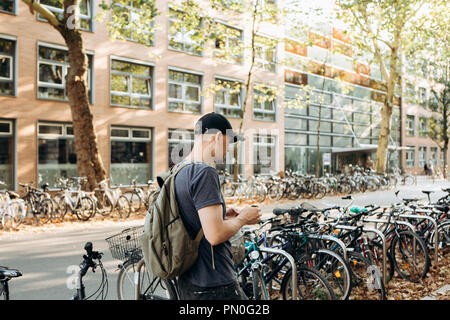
(217, 230)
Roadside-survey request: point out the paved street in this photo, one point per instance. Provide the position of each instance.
(44, 257)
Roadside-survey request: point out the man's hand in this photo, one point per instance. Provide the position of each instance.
(250, 215)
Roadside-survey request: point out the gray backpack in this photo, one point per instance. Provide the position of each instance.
(168, 249)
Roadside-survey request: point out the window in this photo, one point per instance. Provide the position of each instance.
(8, 6)
(410, 156)
(229, 44)
(423, 96)
(180, 38)
(184, 92)
(131, 154)
(410, 125)
(133, 22)
(57, 157)
(422, 156)
(53, 66)
(434, 156)
(264, 103)
(7, 67)
(180, 145)
(423, 127)
(410, 92)
(7, 153)
(131, 84)
(227, 98)
(57, 7)
(265, 53)
(264, 156)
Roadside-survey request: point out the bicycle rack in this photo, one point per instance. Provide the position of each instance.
(436, 240)
(334, 239)
(409, 225)
(383, 240)
(294, 267)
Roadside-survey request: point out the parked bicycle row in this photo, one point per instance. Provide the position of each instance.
(295, 185)
(339, 252)
(45, 206)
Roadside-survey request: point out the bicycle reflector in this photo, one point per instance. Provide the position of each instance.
(357, 209)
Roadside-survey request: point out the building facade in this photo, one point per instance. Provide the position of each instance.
(145, 99)
(344, 96)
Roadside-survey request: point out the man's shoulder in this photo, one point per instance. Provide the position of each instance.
(196, 169)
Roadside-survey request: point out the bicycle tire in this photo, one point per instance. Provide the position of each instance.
(304, 274)
(443, 238)
(85, 208)
(334, 269)
(17, 213)
(402, 266)
(146, 291)
(123, 290)
(45, 210)
(135, 201)
(123, 207)
(4, 290)
(377, 259)
(363, 287)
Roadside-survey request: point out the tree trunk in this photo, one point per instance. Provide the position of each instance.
(89, 162)
(383, 139)
(445, 151)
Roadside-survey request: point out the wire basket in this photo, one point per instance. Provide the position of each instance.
(125, 244)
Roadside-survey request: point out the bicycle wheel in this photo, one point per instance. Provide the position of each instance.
(45, 210)
(126, 288)
(333, 268)
(310, 285)
(135, 201)
(104, 205)
(443, 238)
(85, 209)
(408, 180)
(123, 207)
(367, 280)
(376, 258)
(149, 287)
(410, 256)
(4, 290)
(59, 207)
(14, 214)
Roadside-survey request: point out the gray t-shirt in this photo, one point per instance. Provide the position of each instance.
(197, 186)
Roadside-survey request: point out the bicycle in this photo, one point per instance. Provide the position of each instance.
(6, 275)
(136, 197)
(83, 206)
(111, 200)
(38, 202)
(12, 209)
(89, 263)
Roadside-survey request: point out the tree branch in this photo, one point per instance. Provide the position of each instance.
(44, 12)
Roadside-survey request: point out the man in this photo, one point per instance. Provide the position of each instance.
(202, 205)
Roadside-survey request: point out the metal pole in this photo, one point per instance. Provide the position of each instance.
(294, 267)
(436, 240)
(334, 239)
(409, 225)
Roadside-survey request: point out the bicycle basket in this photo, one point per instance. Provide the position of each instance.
(238, 247)
(125, 244)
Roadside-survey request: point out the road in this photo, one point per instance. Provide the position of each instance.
(44, 255)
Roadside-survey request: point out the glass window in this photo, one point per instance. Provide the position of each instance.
(434, 156)
(265, 53)
(227, 98)
(229, 45)
(7, 6)
(264, 155)
(181, 38)
(131, 155)
(295, 138)
(295, 123)
(57, 157)
(131, 84)
(423, 97)
(7, 154)
(422, 156)
(343, 142)
(325, 141)
(313, 125)
(264, 103)
(57, 7)
(7, 66)
(132, 22)
(410, 125)
(184, 92)
(423, 127)
(325, 113)
(180, 144)
(341, 128)
(53, 65)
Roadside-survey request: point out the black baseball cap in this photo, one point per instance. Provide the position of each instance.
(211, 122)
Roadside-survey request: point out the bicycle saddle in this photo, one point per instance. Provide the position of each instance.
(5, 272)
(427, 191)
(410, 199)
(442, 208)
